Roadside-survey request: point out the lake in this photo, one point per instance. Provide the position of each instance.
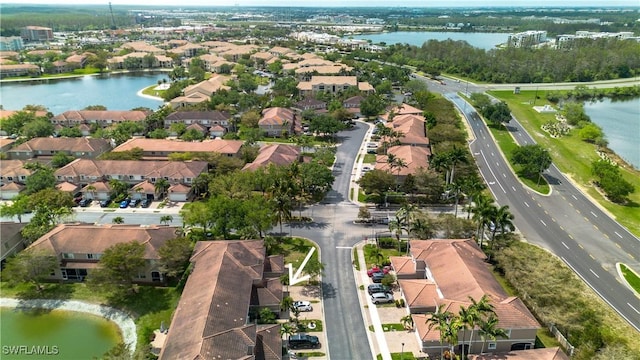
(115, 91)
(55, 334)
(484, 41)
(620, 121)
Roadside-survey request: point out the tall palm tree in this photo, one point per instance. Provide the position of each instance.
(472, 187)
(468, 318)
(481, 308)
(161, 186)
(489, 329)
(441, 162)
(437, 321)
(166, 219)
(482, 214)
(456, 155)
(502, 219)
(407, 321)
(287, 329)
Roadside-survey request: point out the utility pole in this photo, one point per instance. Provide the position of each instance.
(113, 19)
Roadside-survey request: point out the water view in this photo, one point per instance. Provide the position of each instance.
(620, 121)
(55, 334)
(116, 92)
(485, 41)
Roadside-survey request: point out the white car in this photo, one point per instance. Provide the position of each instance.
(302, 305)
(381, 298)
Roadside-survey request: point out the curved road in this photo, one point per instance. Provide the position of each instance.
(565, 222)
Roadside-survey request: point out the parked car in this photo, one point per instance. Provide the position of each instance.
(124, 203)
(134, 203)
(105, 203)
(377, 277)
(302, 305)
(381, 298)
(145, 203)
(376, 288)
(375, 269)
(300, 341)
(84, 202)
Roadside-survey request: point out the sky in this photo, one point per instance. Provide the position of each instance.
(350, 3)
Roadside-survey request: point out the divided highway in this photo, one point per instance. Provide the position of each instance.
(565, 222)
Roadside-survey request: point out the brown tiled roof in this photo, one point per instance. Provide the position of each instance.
(12, 186)
(179, 189)
(354, 100)
(81, 116)
(145, 187)
(276, 116)
(269, 342)
(274, 264)
(415, 158)
(310, 102)
(158, 169)
(278, 154)
(13, 168)
(402, 265)
(7, 113)
(164, 145)
(79, 144)
(98, 186)
(412, 129)
(94, 239)
(210, 321)
(325, 69)
(67, 187)
(420, 293)
(214, 115)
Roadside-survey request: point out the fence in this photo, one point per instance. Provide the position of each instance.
(563, 340)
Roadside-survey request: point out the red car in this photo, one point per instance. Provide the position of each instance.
(376, 269)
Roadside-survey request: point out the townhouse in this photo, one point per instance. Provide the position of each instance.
(87, 148)
(103, 118)
(202, 91)
(19, 70)
(216, 122)
(79, 247)
(332, 84)
(451, 272)
(278, 121)
(229, 281)
(276, 154)
(414, 159)
(160, 149)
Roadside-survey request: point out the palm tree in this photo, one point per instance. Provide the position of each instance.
(502, 219)
(92, 190)
(118, 220)
(456, 155)
(468, 318)
(286, 303)
(437, 321)
(489, 329)
(287, 329)
(472, 187)
(456, 189)
(166, 219)
(482, 214)
(407, 321)
(441, 162)
(482, 308)
(161, 186)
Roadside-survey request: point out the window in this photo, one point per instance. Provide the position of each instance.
(94, 256)
(68, 256)
(492, 346)
(131, 177)
(9, 178)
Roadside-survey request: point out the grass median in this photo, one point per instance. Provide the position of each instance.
(573, 156)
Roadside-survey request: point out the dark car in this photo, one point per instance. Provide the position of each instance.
(105, 203)
(376, 288)
(124, 203)
(145, 203)
(377, 277)
(303, 341)
(134, 203)
(84, 202)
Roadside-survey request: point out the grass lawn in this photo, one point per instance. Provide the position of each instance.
(545, 339)
(149, 307)
(294, 250)
(631, 277)
(369, 158)
(399, 356)
(390, 327)
(371, 259)
(151, 92)
(573, 156)
(318, 327)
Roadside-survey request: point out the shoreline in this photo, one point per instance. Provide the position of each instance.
(125, 322)
(116, 72)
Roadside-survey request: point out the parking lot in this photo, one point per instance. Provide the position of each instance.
(313, 295)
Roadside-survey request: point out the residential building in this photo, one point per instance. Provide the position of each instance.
(552, 353)
(11, 43)
(79, 247)
(527, 39)
(413, 157)
(36, 33)
(160, 149)
(202, 91)
(104, 118)
(13, 171)
(19, 70)
(82, 147)
(450, 273)
(276, 154)
(11, 241)
(278, 121)
(141, 46)
(412, 130)
(310, 104)
(332, 84)
(208, 119)
(87, 171)
(229, 280)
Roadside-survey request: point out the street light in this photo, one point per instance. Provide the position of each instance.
(402, 352)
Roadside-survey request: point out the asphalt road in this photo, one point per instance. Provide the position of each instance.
(565, 222)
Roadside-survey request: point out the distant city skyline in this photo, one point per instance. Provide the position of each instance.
(343, 3)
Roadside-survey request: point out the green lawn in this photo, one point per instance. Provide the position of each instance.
(372, 259)
(573, 156)
(293, 249)
(369, 158)
(631, 277)
(399, 356)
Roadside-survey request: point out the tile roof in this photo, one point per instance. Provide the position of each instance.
(157, 169)
(13, 168)
(221, 146)
(81, 116)
(415, 157)
(276, 116)
(214, 115)
(278, 154)
(553, 353)
(94, 239)
(211, 321)
(79, 144)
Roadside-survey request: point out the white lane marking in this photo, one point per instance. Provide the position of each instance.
(344, 247)
(593, 214)
(504, 175)
(620, 236)
(526, 204)
(491, 171)
(634, 309)
(492, 154)
(497, 163)
(574, 197)
(594, 273)
(565, 245)
(543, 222)
(514, 188)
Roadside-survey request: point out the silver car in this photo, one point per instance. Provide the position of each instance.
(381, 298)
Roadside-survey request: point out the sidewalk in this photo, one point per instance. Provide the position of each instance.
(382, 342)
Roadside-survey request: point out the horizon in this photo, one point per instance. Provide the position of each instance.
(341, 3)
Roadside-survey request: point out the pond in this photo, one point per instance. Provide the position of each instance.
(37, 334)
(486, 41)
